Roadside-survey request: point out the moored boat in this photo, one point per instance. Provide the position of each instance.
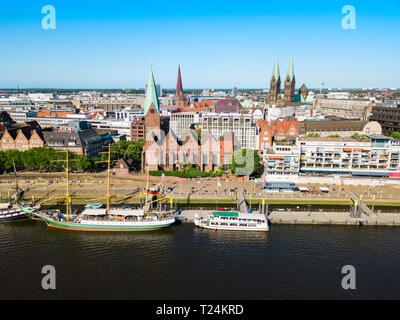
(100, 220)
(222, 220)
(11, 211)
(95, 218)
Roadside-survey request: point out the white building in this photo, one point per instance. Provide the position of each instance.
(242, 125)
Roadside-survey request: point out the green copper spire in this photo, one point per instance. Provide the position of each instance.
(290, 71)
(151, 94)
(276, 72)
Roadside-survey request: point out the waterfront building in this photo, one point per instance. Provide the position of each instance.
(367, 156)
(282, 161)
(280, 130)
(371, 155)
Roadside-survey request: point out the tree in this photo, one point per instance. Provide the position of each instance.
(245, 162)
(395, 135)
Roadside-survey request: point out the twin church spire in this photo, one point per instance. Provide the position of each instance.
(289, 84)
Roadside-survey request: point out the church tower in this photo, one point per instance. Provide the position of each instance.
(290, 83)
(275, 84)
(303, 92)
(180, 99)
(151, 95)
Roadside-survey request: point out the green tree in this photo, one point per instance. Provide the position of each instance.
(245, 162)
(395, 135)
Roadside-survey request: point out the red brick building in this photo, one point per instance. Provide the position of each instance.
(21, 139)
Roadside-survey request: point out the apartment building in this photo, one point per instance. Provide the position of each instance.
(368, 157)
(242, 125)
(372, 156)
(282, 162)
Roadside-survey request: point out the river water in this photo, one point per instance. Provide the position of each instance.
(183, 262)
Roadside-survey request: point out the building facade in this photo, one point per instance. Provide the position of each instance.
(388, 116)
(240, 124)
(343, 108)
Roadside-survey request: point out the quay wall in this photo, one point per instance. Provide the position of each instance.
(326, 218)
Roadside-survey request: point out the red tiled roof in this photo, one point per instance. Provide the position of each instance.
(189, 110)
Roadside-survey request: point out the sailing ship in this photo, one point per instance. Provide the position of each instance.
(223, 220)
(93, 218)
(11, 211)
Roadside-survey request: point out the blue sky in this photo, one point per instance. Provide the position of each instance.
(219, 44)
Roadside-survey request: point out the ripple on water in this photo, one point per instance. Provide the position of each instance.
(184, 262)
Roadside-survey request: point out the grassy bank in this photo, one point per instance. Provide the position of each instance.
(82, 200)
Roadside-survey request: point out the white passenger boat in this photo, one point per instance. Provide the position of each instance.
(223, 220)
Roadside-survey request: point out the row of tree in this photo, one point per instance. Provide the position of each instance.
(244, 161)
(52, 160)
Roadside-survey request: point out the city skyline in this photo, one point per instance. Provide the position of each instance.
(95, 46)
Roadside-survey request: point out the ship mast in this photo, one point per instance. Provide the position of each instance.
(146, 195)
(67, 184)
(16, 179)
(108, 178)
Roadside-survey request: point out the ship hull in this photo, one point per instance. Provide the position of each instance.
(71, 226)
(107, 226)
(216, 228)
(12, 216)
(104, 226)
